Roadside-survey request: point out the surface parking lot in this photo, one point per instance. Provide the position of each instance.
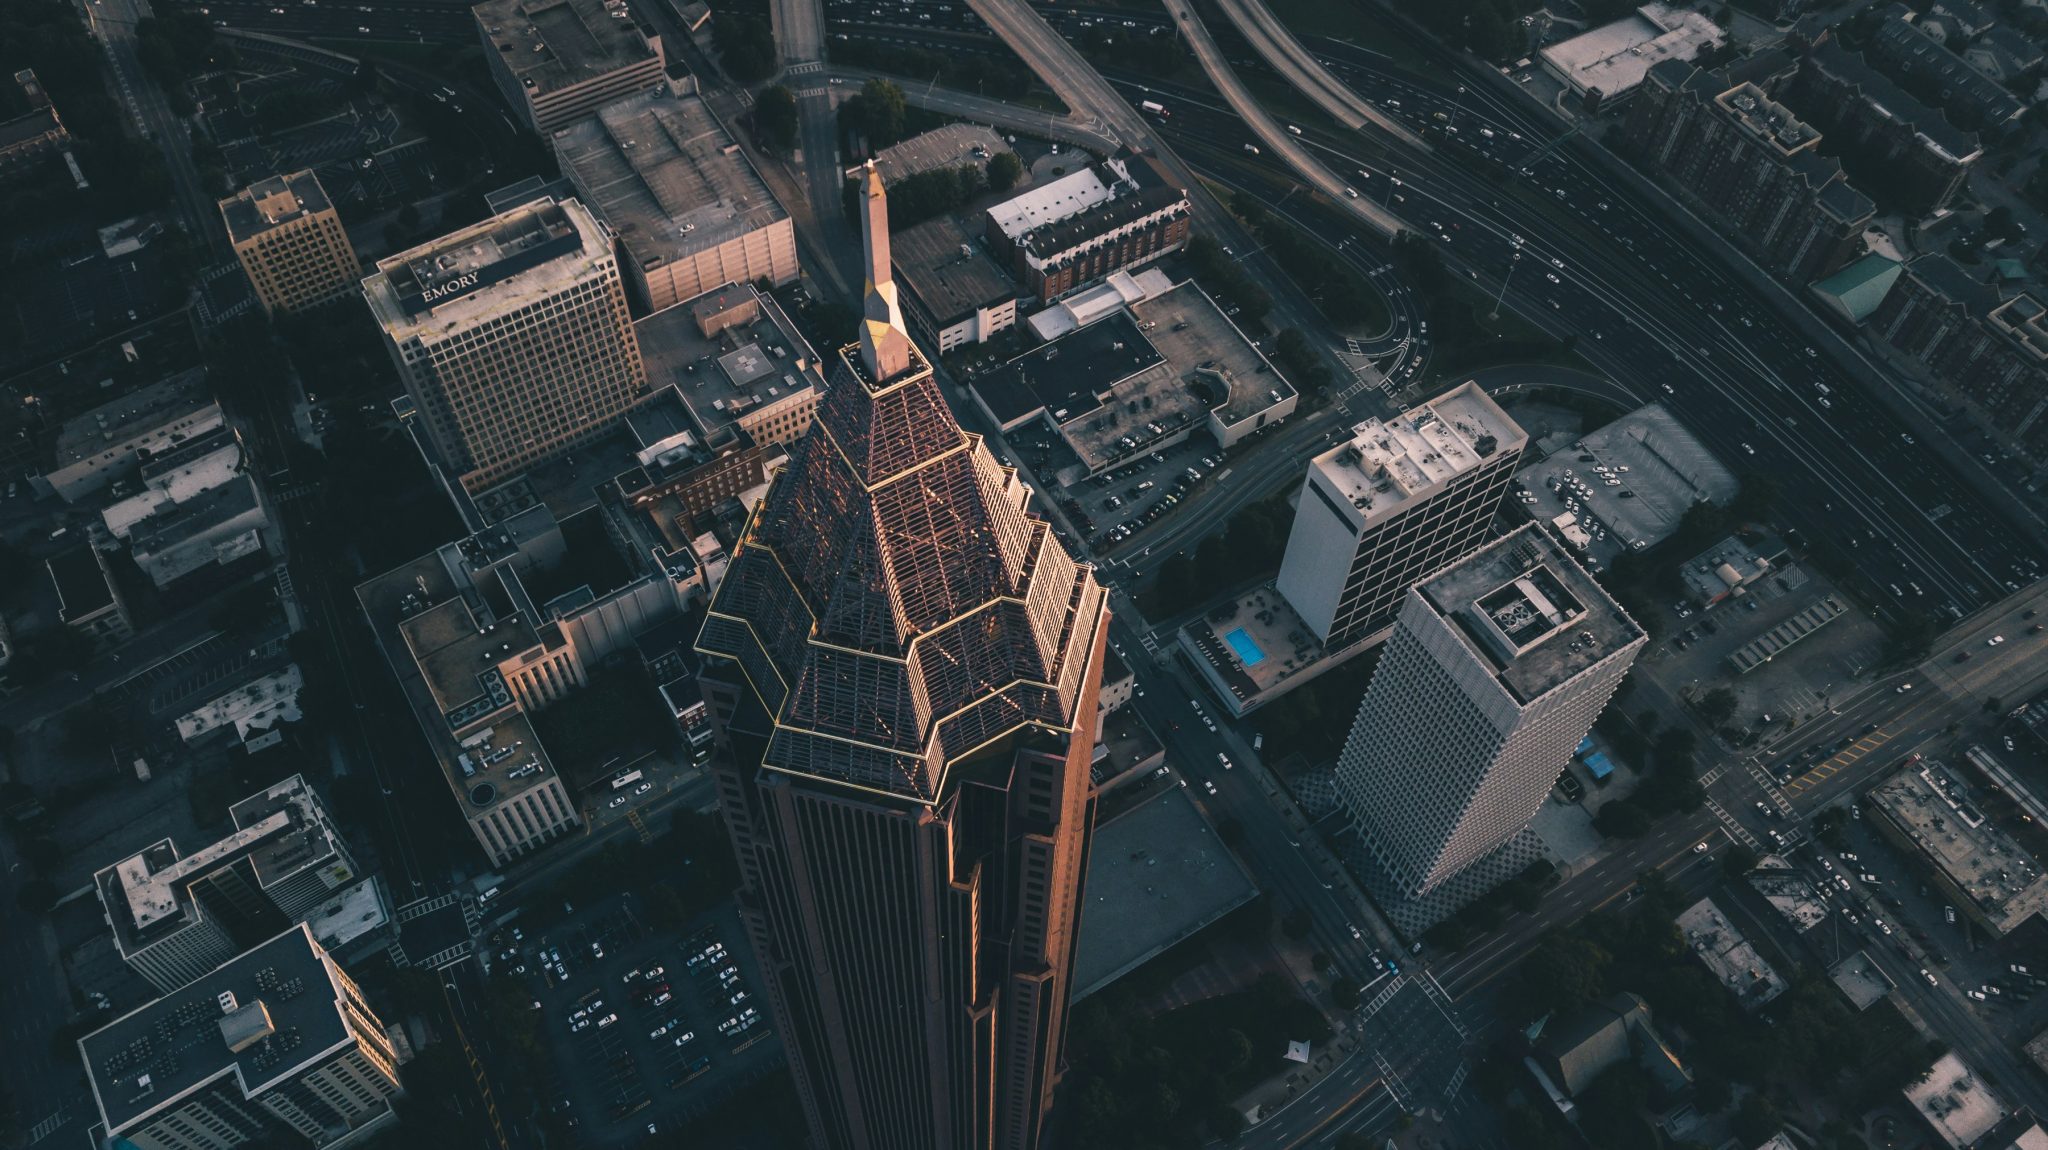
(645, 1027)
(1113, 507)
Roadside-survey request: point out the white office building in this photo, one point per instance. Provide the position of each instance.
(1495, 669)
(1399, 499)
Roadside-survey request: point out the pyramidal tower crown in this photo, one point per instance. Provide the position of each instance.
(892, 603)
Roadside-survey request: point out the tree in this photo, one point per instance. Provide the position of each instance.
(1344, 992)
(1563, 973)
(1717, 706)
(41, 854)
(883, 111)
(37, 895)
(1999, 222)
(1738, 861)
(1621, 819)
(745, 45)
(775, 117)
(1757, 1120)
(1711, 1092)
(1004, 168)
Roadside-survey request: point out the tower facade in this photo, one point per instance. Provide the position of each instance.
(1399, 499)
(1495, 670)
(291, 243)
(902, 672)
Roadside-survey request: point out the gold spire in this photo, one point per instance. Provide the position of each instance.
(884, 344)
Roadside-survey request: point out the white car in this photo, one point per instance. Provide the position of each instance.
(1929, 976)
(607, 1020)
(617, 801)
(1209, 786)
(685, 1037)
(643, 788)
(1224, 759)
(1994, 640)
(1700, 848)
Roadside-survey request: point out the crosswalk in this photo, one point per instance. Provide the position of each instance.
(1768, 786)
(45, 1128)
(1735, 829)
(806, 67)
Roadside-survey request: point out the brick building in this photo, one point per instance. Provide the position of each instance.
(1752, 164)
(1993, 351)
(1114, 215)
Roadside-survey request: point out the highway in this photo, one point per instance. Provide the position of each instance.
(1282, 141)
(1640, 305)
(412, 21)
(1907, 520)
(1284, 53)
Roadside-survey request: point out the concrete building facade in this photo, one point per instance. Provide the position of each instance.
(556, 61)
(289, 239)
(512, 336)
(690, 212)
(1397, 500)
(114, 440)
(277, 1047)
(1495, 670)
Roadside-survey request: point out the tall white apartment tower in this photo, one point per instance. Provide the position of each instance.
(1496, 667)
(1397, 500)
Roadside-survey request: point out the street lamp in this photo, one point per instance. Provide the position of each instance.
(1517, 258)
(1393, 181)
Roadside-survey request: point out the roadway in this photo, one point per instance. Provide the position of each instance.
(411, 22)
(113, 23)
(1284, 54)
(1589, 266)
(1282, 142)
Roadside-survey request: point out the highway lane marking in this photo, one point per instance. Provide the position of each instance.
(1339, 1113)
(1841, 761)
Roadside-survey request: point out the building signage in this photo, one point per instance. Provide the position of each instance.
(456, 286)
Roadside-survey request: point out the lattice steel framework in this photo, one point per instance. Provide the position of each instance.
(891, 603)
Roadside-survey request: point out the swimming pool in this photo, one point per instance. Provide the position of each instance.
(1248, 652)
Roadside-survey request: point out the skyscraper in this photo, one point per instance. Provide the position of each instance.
(903, 674)
(512, 337)
(1496, 668)
(290, 241)
(1399, 499)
